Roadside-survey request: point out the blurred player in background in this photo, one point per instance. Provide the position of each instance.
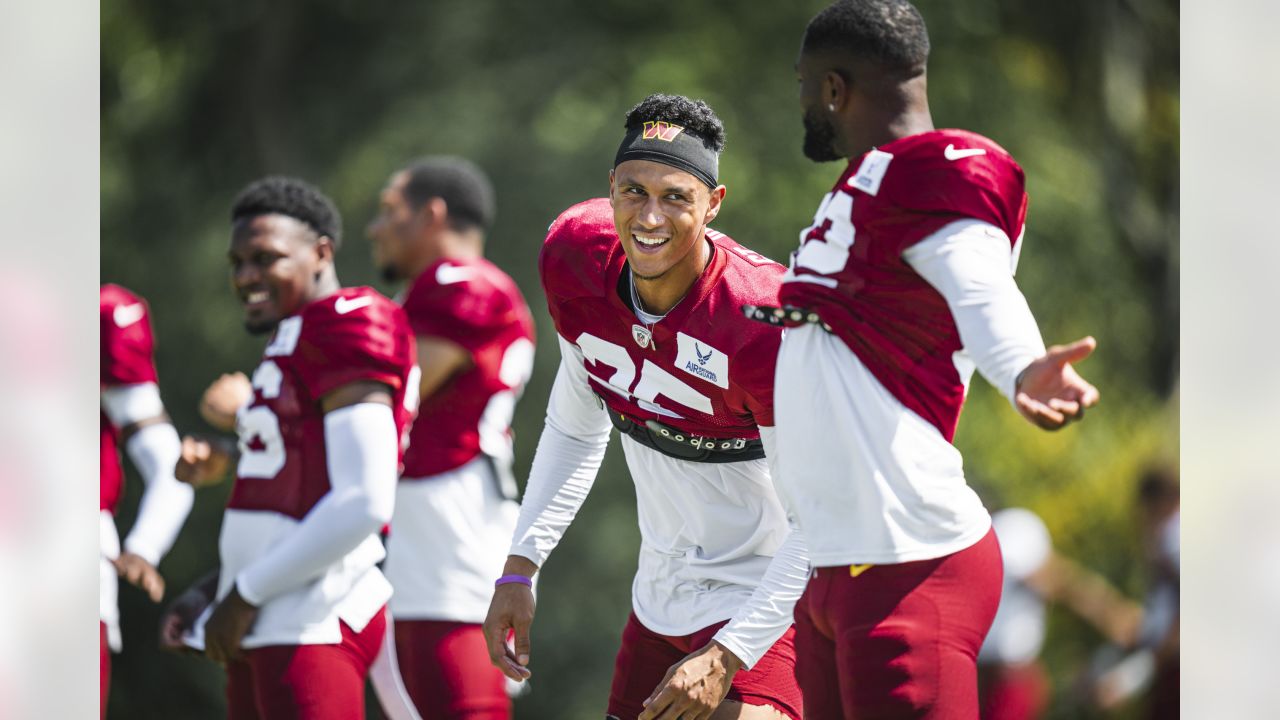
(456, 502)
(902, 284)
(133, 417)
(1013, 684)
(1152, 665)
(645, 299)
(299, 613)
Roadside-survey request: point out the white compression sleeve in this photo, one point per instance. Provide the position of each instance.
(566, 462)
(970, 263)
(767, 615)
(154, 450)
(128, 404)
(361, 448)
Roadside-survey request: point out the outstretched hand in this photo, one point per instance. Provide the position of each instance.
(693, 687)
(1050, 393)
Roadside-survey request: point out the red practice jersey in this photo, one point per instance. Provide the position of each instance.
(849, 267)
(127, 348)
(476, 305)
(706, 369)
(353, 335)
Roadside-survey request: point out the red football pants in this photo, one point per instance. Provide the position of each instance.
(444, 669)
(104, 667)
(898, 641)
(305, 682)
(645, 656)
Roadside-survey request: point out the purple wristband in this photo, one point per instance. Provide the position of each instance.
(513, 579)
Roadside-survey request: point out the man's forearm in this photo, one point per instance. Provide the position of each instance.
(767, 615)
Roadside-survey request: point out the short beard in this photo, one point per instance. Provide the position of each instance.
(261, 328)
(819, 138)
(391, 273)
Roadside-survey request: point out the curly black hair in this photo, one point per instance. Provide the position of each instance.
(294, 198)
(463, 186)
(888, 32)
(695, 116)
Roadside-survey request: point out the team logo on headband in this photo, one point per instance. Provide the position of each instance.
(660, 130)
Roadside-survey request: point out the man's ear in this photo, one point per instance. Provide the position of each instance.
(610, 188)
(434, 211)
(835, 90)
(325, 251)
(713, 208)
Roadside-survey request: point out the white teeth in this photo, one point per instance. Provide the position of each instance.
(257, 297)
(649, 241)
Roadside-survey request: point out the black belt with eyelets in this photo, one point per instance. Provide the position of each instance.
(685, 446)
(787, 316)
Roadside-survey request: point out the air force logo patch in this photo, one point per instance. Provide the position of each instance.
(702, 361)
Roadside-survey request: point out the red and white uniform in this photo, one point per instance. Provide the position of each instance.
(284, 470)
(909, 260)
(477, 306)
(130, 394)
(126, 358)
(455, 503)
(715, 542)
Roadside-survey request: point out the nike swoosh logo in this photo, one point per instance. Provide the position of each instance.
(126, 315)
(345, 305)
(450, 274)
(951, 153)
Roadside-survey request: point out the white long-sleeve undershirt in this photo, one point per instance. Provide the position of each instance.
(362, 457)
(971, 264)
(565, 466)
(154, 450)
(767, 615)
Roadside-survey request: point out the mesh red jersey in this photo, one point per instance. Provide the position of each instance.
(353, 335)
(706, 369)
(127, 348)
(849, 266)
(476, 305)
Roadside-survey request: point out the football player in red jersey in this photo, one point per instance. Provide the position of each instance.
(645, 300)
(902, 285)
(455, 504)
(299, 612)
(133, 417)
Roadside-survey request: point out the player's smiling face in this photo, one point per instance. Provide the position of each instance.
(276, 264)
(661, 214)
